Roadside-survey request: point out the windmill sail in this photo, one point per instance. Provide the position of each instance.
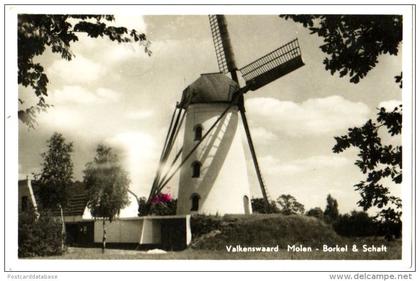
(255, 159)
(272, 66)
(222, 45)
(217, 89)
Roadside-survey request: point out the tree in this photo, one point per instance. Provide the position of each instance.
(36, 33)
(57, 172)
(358, 224)
(331, 210)
(354, 42)
(316, 212)
(289, 205)
(259, 206)
(378, 161)
(56, 176)
(107, 184)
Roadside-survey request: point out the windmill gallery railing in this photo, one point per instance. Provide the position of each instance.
(273, 65)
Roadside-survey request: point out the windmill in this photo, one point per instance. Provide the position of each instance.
(213, 174)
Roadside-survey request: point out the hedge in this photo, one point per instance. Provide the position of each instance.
(40, 237)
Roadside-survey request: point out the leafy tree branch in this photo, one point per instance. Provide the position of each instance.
(37, 33)
(353, 43)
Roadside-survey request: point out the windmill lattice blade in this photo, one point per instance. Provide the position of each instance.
(221, 40)
(272, 66)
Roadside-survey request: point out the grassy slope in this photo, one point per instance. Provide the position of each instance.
(284, 231)
(269, 230)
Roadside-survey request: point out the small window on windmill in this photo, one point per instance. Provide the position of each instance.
(195, 202)
(196, 167)
(198, 132)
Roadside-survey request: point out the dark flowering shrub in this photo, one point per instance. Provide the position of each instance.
(167, 208)
(162, 205)
(162, 198)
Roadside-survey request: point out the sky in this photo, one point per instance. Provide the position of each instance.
(117, 95)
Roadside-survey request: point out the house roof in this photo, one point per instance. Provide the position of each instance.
(77, 201)
(78, 198)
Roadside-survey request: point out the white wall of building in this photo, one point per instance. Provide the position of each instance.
(223, 180)
(151, 232)
(119, 231)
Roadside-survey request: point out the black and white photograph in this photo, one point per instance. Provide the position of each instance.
(166, 135)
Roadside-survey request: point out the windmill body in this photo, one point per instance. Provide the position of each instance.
(214, 179)
(213, 172)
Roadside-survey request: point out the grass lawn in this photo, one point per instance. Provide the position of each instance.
(214, 236)
(393, 252)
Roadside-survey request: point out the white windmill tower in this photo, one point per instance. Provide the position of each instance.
(213, 173)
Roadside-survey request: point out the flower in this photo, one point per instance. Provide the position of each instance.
(162, 198)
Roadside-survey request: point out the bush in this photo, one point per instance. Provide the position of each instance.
(360, 224)
(164, 208)
(40, 237)
(258, 206)
(202, 224)
(289, 205)
(355, 224)
(316, 212)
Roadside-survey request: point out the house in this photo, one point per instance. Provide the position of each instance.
(77, 229)
(128, 228)
(27, 200)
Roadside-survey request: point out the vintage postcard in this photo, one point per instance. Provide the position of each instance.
(213, 136)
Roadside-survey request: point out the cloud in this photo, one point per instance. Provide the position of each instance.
(274, 166)
(133, 140)
(140, 157)
(117, 54)
(61, 118)
(130, 22)
(389, 105)
(316, 116)
(108, 53)
(311, 179)
(79, 70)
(139, 115)
(88, 114)
(262, 135)
(80, 95)
(107, 95)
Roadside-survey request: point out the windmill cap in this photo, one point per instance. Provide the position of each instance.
(209, 88)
